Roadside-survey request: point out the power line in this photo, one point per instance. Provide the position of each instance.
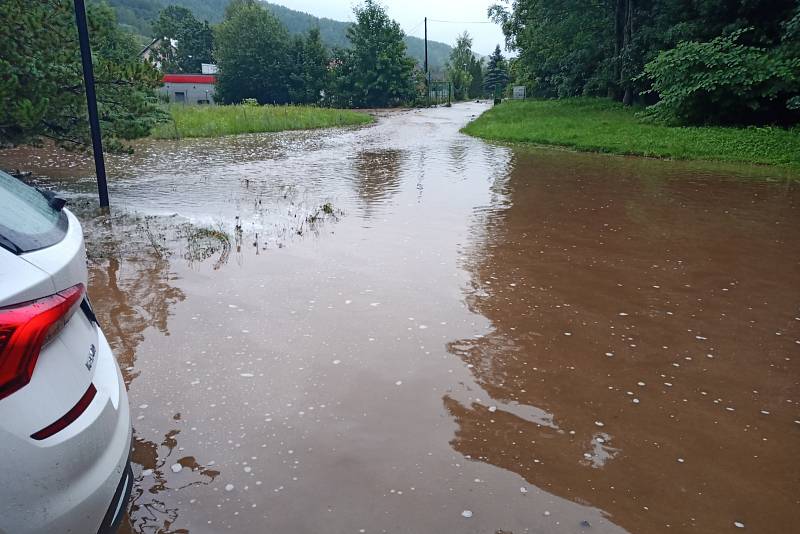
(415, 27)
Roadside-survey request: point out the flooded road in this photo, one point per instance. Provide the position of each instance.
(402, 329)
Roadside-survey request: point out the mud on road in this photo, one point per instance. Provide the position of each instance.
(402, 329)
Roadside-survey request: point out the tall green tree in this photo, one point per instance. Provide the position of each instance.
(252, 53)
(41, 80)
(194, 40)
(496, 77)
(377, 71)
(476, 68)
(308, 76)
(458, 67)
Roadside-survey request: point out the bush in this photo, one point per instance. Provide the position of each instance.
(724, 82)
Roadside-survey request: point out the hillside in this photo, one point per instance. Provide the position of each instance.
(137, 15)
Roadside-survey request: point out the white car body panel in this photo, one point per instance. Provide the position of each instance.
(65, 482)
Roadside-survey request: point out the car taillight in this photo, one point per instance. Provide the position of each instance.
(27, 327)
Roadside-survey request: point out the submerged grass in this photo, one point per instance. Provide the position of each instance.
(600, 125)
(216, 121)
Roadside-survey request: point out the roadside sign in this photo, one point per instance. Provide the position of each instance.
(519, 92)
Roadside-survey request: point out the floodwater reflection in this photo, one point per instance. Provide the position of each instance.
(654, 312)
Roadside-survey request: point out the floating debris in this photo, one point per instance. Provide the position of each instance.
(176, 468)
(466, 513)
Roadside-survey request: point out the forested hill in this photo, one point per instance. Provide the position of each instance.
(137, 15)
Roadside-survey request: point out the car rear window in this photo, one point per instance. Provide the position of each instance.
(27, 222)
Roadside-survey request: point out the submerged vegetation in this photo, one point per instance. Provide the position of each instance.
(600, 125)
(216, 121)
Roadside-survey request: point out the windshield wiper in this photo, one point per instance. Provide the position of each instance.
(8, 245)
(55, 202)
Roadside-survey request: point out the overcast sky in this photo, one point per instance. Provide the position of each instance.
(410, 13)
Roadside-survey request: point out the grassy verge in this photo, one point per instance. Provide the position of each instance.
(216, 121)
(599, 125)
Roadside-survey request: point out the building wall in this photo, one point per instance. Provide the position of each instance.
(193, 93)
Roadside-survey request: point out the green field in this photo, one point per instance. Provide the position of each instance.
(216, 121)
(600, 125)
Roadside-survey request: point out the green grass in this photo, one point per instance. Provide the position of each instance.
(599, 125)
(216, 121)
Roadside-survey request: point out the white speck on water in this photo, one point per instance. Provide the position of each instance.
(609, 354)
(337, 362)
(229, 487)
(374, 304)
(246, 375)
(765, 412)
(423, 327)
(348, 302)
(247, 469)
(680, 460)
(738, 524)
(623, 314)
(176, 468)
(492, 409)
(546, 512)
(599, 423)
(466, 513)
(398, 383)
(635, 401)
(234, 306)
(567, 333)
(147, 472)
(523, 489)
(143, 406)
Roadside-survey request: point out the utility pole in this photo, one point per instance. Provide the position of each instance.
(91, 102)
(427, 75)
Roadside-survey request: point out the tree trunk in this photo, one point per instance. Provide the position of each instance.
(624, 27)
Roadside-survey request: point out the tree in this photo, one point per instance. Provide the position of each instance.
(195, 40)
(308, 76)
(476, 71)
(458, 67)
(252, 53)
(600, 47)
(377, 72)
(723, 81)
(41, 81)
(496, 77)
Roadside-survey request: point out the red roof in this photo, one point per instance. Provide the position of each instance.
(189, 78)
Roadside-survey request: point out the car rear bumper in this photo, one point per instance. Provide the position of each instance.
(72, 479)
(116, 510)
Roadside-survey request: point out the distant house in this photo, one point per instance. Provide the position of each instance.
(189, 88)
(153, 51)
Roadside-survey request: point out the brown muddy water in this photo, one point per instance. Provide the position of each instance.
(402, 329)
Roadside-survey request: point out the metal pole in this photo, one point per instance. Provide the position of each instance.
(91, 102)
(427, 76)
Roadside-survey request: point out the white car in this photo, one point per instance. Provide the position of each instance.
(65, 429)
